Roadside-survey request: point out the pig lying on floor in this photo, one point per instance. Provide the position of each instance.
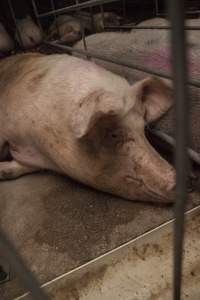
(69, 115)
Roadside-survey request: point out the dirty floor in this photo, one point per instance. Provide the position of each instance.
(58, 224)
(139, 270)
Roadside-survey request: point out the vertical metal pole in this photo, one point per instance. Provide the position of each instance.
(124, 8)
(156, 7)
(15, 22)
(27, 278)
(37, 15)
(176, 9)
(53, 7)
(92, 18)
(102, 15)
(83, 32)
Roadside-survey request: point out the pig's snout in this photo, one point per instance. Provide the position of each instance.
(171, 181)
(159, 177)
(171, 184)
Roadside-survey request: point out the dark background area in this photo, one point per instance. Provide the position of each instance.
(137, 9)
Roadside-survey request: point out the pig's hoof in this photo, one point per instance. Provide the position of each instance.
(6, 174)
(13, 169)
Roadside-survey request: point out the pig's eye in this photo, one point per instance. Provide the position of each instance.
(114, 135)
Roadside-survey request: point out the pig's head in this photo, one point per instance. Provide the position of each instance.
(71, 32)
(110, 133)
(68, 32)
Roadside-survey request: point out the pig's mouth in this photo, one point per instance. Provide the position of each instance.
(150, 194)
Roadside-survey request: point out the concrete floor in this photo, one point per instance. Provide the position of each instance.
(139, 270)
(58, 224)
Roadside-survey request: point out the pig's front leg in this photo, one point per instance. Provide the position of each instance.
(13, 169)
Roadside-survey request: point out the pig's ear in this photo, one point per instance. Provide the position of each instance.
(154, 97)
(99, 110)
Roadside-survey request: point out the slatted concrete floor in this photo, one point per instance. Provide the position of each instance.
(58, 225)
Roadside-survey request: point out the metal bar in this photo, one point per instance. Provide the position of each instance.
(36, 15)
(102, 15)
(86, 4)
(25, 275)
(151, 27)
(15, 22)
(176, 9)
(186, 13)
(117, 62)
(156, 7)
(35, 9)
(124, 8)
(82, 30)
(92, 17)
(193, 155)
(55, 16)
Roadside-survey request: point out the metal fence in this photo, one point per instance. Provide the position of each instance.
(181, 81)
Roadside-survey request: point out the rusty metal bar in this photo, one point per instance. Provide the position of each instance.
(180, 74)
(117, 62)
(25, 275)
(86, 4)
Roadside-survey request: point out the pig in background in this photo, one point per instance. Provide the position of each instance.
(28, 34)
(86, 123)
(6, 42)
(162, 37)
(108, 19)
(150, 48)
(67, 28)
(136, 46)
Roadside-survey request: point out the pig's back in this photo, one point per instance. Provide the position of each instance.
(37, 89)
(30, 73)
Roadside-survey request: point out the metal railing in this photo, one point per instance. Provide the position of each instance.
(181, 82)
(180, 74)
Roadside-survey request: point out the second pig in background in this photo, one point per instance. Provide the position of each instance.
(28, 33)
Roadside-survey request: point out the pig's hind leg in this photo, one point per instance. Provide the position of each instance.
(13, 169)
(9, 167)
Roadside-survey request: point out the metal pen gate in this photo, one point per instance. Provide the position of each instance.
(181, 81)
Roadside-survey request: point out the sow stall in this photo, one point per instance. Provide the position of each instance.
(84, 244)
